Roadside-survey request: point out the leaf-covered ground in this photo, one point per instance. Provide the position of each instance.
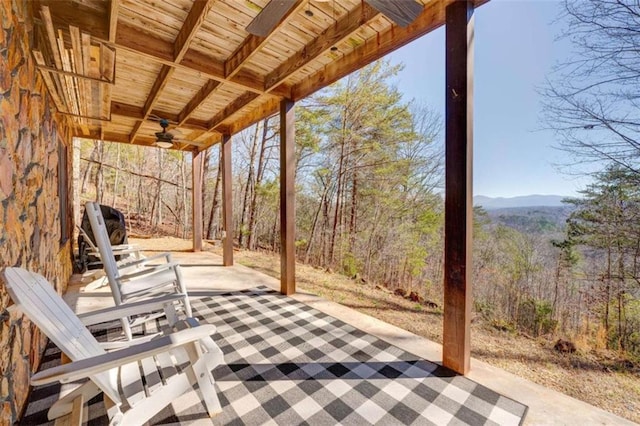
(598, 380)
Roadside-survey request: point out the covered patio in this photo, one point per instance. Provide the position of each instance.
(368, 372)
(141, 72)
(189, 75)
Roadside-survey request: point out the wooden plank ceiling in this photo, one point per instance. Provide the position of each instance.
(195, 64)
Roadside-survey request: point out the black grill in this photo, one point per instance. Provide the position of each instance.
(116, 228)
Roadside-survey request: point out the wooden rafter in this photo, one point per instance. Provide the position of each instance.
(161, 81)
(253, 43)
(343, 28)
(246, 92)
(124, 138)
(197, 100)
(136, 112)
(114, 5)
(191, 25)
(235, 106)
(132, 40)
(189, 28)
(431, 18)
(266, 109)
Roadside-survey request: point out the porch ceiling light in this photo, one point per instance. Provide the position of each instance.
(164, 144)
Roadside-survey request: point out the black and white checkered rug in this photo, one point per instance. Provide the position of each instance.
(289, 364)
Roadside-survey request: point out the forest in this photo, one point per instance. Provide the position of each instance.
(369, 193)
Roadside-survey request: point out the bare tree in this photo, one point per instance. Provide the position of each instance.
(592, 100)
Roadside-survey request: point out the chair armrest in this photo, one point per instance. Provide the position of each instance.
(115, 252)
(128, 309)
(90, 366)
(148, 270)
(145, 260)
(125, 247)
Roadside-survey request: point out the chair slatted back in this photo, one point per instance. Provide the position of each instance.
(104, 246)
(35, 297)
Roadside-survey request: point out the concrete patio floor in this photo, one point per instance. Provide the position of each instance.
(204, 272)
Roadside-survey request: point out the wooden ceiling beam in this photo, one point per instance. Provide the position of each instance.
(161, 81)
(197, 100)
(431, 18)
(132, 39)
(137, 42)
(235, 106)
(192, 23)
(140, 140)
(350, 23)
(267, 109)
(253, 44)
(197, 61)
(125, 110)
(135, 112)
(114, 5)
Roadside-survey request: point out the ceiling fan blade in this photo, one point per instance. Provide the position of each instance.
(402, 12)
(270, 16)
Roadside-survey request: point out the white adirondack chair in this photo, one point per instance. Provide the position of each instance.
(124, 250)
(131, 398)
(137, 280)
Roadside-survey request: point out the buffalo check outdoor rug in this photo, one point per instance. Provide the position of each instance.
(289, 364)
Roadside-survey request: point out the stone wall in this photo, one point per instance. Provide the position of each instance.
(30, 232)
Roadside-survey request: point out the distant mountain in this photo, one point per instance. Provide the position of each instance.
(533, 220)
(489, 203)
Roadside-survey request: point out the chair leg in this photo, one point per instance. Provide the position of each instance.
(170, 313)
(206, 383)
(64, 405)
(126, 328)
(187, 306)
(183, 289)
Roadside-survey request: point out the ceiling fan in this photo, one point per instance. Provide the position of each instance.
(402, 12)
(164, 139)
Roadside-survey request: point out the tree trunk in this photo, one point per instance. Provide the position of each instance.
(183, 188)
(99, 173)
(312, 233)
(156, 212)
(352, 213)
(607, 295)
(249, 187)
(214, 202)
(336, 214)
(259, 175)
(87, 171)
(141, 201)
(116, 178)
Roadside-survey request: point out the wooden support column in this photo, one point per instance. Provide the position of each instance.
(458, 186)
(227, 206)
(287, 197)
(197, 170)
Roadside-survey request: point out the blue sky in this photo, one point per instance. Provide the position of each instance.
(515, 49)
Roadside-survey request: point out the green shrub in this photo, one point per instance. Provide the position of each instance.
(534, 317)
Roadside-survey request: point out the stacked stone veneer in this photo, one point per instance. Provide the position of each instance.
(29, 205)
